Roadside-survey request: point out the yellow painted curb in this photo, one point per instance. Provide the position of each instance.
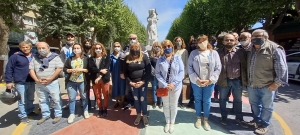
(285, 127)
(19, 129)
(2, 84)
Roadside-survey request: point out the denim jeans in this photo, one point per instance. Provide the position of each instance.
(140, 99)
(261, 101)
(72, 88)
(202, 96)
(43, 92)
(236, 86)
(216, 91)
(25, 105)
(154, 84)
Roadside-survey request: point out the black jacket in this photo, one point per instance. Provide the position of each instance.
(68, 66)
(95, 72)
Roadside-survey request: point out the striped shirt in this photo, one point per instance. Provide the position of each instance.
(233, 63)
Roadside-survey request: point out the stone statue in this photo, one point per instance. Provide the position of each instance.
(151, 27)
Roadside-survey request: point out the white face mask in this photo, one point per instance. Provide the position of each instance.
(132, 41)
(157, 49)
(203, 45)
(98, 51)
(77, 51)
(117, 49)
(245, 43)
(70, 42)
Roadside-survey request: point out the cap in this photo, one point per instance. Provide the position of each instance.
(70, 33)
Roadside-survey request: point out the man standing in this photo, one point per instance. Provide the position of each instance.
(233, 76)
(267, 71)
(245, 40)
(192, 46)
(17, 70)
(44, 69)
(132, 39)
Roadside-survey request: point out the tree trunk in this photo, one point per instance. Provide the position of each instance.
(4, 34)
(297, 5)
(269, 27)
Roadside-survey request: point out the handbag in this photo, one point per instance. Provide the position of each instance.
(162, 92)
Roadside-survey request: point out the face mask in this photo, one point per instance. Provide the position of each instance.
(77, 51)
(135, 52)
(98, 51)
(258, 41)
(132, 41)
(70, 42)
(229, 46)
(43, 52)
(88, 47)
(157, 49)
(244, 43)
(117, 49)
(178, 43)
(168, 50)
(203, 45)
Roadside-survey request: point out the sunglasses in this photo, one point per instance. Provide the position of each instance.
(167, 46)
(229, 40)
(132, 38)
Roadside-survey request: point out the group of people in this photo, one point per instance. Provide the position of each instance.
(251, 62)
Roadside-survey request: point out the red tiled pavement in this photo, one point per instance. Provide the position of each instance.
(118, 122)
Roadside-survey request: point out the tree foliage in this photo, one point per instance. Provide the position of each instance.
(211, 17)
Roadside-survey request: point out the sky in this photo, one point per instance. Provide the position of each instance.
(167, 11)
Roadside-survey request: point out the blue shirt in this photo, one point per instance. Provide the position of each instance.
(176, 74)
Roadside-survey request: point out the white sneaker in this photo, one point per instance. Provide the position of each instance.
(167, 128)
(206, 126)
(86, 114)
(172, 127)
(71, 118)
(198, 123)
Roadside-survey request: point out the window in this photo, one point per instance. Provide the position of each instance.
(293, 58)
(28, 20)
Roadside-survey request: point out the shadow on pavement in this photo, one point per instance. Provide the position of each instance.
(292, 92)
(10, 118)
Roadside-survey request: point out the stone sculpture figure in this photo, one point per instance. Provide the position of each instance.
(151, 27)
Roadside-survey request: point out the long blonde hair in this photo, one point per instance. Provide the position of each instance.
(153, 51)
(167, 42)
(135, 46)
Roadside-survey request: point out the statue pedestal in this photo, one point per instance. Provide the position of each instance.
(148, 47)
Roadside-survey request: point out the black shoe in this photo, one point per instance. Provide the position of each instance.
(25, 120)
(100, 113)
(105, 113)
(160, 105)
(242, 123)
(127, 107)
(181, 105)
(231, 111)
(32, 114)
(190, 105)
(224, 120)
(154, 105)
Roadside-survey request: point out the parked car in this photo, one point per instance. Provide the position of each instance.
(15, 48)
(293, 62)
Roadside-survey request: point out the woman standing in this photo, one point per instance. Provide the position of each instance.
(204, 69)
(76, 67)
(184, 55)
(118, 87)
(137, 70)
(155, 53)
(169, 72)
(99, 73)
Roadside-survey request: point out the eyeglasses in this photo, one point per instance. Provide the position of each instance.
(167, 46)
(229, 40)
(132, 38)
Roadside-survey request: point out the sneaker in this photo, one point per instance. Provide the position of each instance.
(32, 114)
(86, 114)
(242, 123)
(261, 130)
(104, 113)
(224, 120)
(198, 123)
(42, 120)
(127, 107)
(167, 128)
(154, 106)
(160, 105)
(100, 113)
(137, 120)
(71, 118)
(25, 120)
(181, 105)
(172, 128)
(206, 126)
(55, 120)
(145, 120)
(116, 105)
(190, 105)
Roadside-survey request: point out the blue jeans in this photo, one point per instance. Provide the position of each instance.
(140, 99)
(261, 101)
(202, 96)
(43, 92)
(236, 86)
(25, 105)
(72, 88)
(154, 84)
(216, 91)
